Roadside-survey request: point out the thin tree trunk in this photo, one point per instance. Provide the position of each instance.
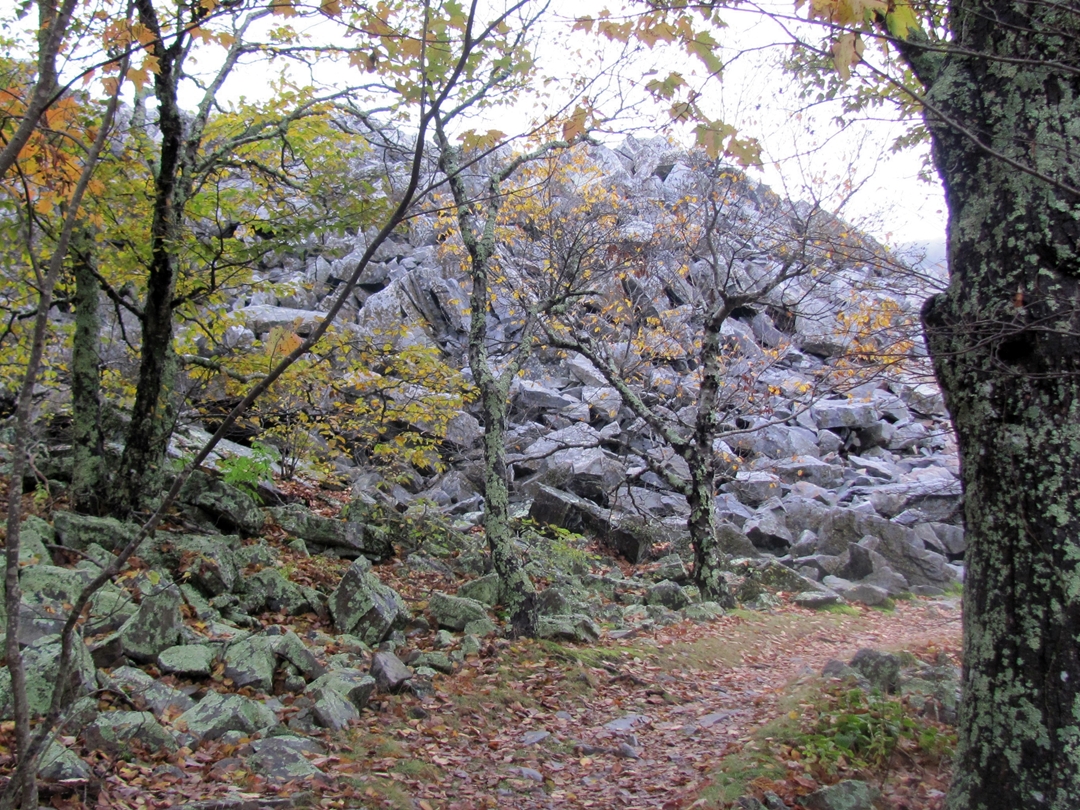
(145, 444)
(86, 440)
(518, 594)
(698, 453)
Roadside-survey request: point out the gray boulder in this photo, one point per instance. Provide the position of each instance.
(484, 590)
(632, 538)
(668, 594)
(59, 764)
(196, 660)
(144, 692)
(389, 671)
(127, 734)
(454, 612)
(330, 709)
(229, 508)
(251, 662)
(284, 759)
(80, 531)
(881, 669)
(900, 546)
(352, 684)
(41, 658)
(34, 535)
(208, 562)
(217, 714)
(291, 648)
(156, 626)
(810, 469)
(573, 627)
(842, 413)
(346, 537)
(767, 532)
(363, 606)
(268, 589)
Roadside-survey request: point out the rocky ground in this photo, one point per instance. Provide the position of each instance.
(263, 699)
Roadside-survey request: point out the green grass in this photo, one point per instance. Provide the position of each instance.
(833, 731)
(841, 610)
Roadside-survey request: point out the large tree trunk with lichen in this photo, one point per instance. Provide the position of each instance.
(1005, 339)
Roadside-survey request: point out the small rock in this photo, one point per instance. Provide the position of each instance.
(846, 795)
(534, 737)
(389, 671)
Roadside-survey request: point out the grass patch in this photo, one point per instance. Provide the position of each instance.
(417, 769)
(841, 610)
(827, 732)
(586, 656)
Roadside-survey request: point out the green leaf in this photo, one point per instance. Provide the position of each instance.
(901, 20)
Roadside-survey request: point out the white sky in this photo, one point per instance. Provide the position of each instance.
(802, 149)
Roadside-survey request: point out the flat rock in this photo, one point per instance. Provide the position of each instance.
(283, 759)
(145, 692)
(126, 734)
(217, 714)
(454, 612)
(190, 659)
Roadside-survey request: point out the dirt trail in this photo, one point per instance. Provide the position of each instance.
(642, 727)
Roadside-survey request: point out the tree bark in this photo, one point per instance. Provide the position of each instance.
(144, 446)
(1005, 339)
(517, 591)
(709, 558)
(86, 440)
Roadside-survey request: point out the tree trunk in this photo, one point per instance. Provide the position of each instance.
(1005, 339)
(517, 592)
(86, 440)
(698, 453)
(145, 444)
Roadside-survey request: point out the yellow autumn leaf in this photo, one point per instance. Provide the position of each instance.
(901, 20)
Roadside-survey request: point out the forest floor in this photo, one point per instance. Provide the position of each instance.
(688, 715)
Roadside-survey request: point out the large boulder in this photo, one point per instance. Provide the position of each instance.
(229, 508)
(42, 658)
(80, 531)
(349, 683)
(630, 536)
(349, 538)
(34, 535)
(156, 626)
(251, 662)
(127, 734)
(925, 570)
(454, 612)
(363, 606)
(268, 589)
(145, 693)
(208, 562)
(217, 714)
